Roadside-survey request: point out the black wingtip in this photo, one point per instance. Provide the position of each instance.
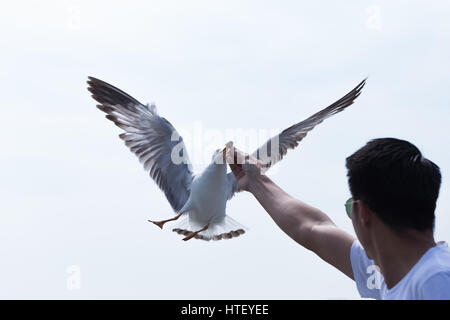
(94, 79)
(362, 84)
(91, 80)
(108, 94)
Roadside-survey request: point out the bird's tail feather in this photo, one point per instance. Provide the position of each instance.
(227, 229)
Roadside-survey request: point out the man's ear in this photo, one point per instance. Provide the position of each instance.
(365, 214)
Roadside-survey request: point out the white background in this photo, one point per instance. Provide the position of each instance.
(71, 194)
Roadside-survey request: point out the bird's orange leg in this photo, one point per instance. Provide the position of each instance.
(193, 234)
(161, 223)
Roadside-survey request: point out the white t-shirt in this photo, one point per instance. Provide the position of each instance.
(428, 279)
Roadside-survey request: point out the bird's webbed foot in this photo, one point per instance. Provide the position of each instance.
(162, 222)
(193, 234)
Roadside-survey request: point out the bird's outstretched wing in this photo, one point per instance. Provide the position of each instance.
(152, 138)
(290, 137)
(276, 147)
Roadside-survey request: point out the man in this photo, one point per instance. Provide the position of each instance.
(394, 191)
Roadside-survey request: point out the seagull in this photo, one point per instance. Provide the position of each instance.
(200, 198)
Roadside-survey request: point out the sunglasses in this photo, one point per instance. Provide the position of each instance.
(348, 207)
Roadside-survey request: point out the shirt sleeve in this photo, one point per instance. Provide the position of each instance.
(366, 274)
(437, 287)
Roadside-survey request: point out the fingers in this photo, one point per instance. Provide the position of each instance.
(236, 156)
(237, 171)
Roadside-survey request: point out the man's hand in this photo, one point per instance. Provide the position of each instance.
(245, 167)
(307, 225)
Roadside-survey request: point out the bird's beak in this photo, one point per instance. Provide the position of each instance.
(228, 145)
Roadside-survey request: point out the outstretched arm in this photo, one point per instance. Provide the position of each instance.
(306, 225)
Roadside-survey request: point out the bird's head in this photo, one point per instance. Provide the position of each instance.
(219, 156)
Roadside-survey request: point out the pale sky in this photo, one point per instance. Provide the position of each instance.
(75, 201)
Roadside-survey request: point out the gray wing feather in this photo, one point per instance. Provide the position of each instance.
(290, 137)
(150, 137)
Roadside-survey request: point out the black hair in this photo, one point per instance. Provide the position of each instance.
(396, 182)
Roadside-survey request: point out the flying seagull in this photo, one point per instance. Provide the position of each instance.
(200, 198)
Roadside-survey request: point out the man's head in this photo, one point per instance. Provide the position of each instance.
(391, 179)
